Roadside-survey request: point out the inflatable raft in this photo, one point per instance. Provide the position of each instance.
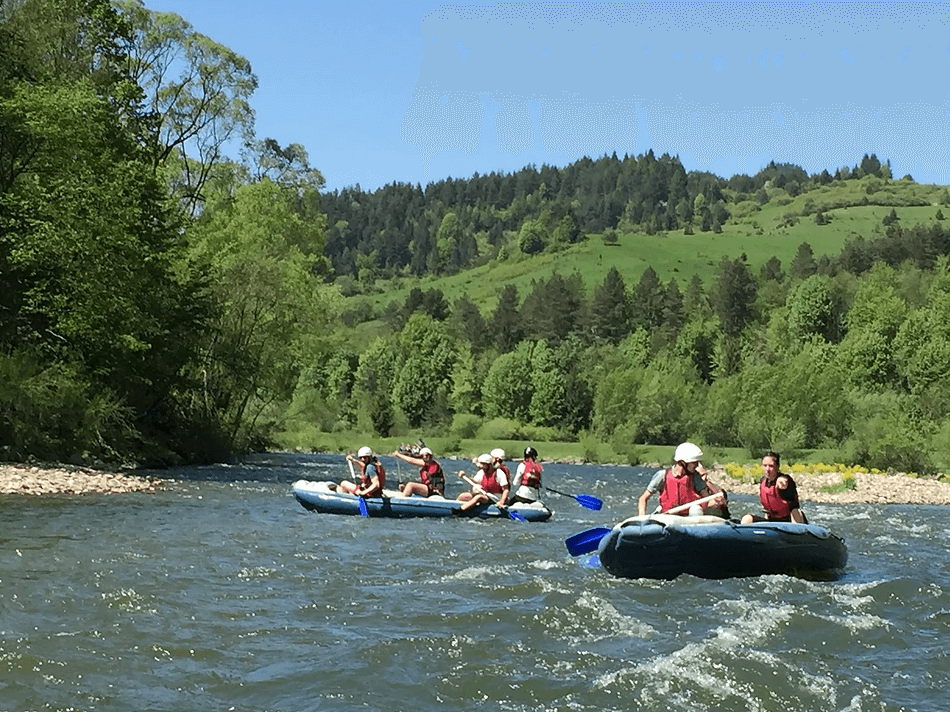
(323, 497)
(663, 546)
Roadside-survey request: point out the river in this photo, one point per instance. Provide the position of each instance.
(222, 593)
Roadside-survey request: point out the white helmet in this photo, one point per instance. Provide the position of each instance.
(687, 452)
(425, 451)
(365, 452)
(484, 459)
(498, 453)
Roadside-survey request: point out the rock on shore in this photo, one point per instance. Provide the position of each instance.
(69, 479)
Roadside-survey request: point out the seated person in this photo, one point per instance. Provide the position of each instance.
(685, 482)
(778, 494)
(432, 479)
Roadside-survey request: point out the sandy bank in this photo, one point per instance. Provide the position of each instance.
(69, 479)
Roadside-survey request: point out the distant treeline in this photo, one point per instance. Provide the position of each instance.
(848, 354)
(439, 229)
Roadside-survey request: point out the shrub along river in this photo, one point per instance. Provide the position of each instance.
(222, 593)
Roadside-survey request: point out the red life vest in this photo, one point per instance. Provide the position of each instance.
(490, 482)
(432, 477)
(531, 476)
(677, 491)
(776, 508)
(366, 481)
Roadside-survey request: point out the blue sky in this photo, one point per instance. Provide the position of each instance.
(416, 92)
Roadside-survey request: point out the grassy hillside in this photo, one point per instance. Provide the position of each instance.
(760, 232)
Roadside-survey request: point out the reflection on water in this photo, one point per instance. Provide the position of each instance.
(223, 593)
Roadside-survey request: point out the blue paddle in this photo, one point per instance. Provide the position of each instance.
(586, 541)
(585, 500)
(363, 510)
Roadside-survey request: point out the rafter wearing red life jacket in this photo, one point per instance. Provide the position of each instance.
(777, 509)
(432, 477)
(677, 491)
(531, 476)
(490, 482)
(367, 481)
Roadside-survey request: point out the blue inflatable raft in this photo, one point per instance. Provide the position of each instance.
(663, 546)
(323, 497)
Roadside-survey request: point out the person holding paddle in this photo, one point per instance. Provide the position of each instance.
(432, 479)
(372, 475)
(778, 494)
(490, 481)
(527, 483)
(685, 482)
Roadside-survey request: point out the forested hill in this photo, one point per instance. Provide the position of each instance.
(159, 303)
(625, 301)
(455, 224)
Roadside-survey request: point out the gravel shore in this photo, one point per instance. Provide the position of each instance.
(69, 479)
(45, 479)
(868, 488)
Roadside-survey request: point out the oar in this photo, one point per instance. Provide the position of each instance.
(585, 500)
(684, 507)
(587, 541)
(494, 498)
(363, 510)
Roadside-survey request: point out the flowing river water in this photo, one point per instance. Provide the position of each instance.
(222, 593)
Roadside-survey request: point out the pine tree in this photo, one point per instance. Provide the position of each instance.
(610, 309)
(734, 297)
(504, 326)
(648, 301)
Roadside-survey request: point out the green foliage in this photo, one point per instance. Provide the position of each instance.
(247, 241)
(888, 433)
(507, 389)
(53, 412)
(811, 310)
(531, 237)
(422, 386)
(734, 298)
(465, 425)
(800, 403)
(502, 429)
(610, 309)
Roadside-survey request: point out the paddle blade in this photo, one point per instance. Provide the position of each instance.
(514, 515)
(586, 500)
(586, 541)
(363, 511)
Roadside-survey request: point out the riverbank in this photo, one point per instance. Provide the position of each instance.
(46, 479)
(823, 487)
(847, 488)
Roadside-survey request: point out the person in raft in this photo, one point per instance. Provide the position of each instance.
(498, 458)
(372, 475)
(527, 482)
(778, 494)
(432, 479)
(685, 482)
(489, 479)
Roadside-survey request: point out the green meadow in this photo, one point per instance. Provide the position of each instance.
(775, 229)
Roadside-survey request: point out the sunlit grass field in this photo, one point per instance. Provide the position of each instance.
(758, 232)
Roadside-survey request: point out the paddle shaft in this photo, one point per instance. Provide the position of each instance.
(492, 497)
(684, 507)
(363, 509)
(585, 500)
